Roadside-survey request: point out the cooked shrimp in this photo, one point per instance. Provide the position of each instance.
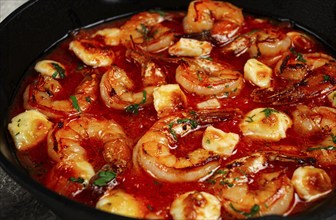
(153, 150)
(111, 36)
(295, 66)
(116, 87)
(318, 82)
(301, 40)
(146, 31)
(92, 53)
(309, 121)
(272, 192)
(269, 43)
(40, 95)
(65, 141)
(324, 151)
(208, 78)
(221, 18)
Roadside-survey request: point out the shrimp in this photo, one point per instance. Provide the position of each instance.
(317, 82)
(146, 31)
(268, 44)
(208, 78)
(221, 18)
(115, 85)
(65, 140)
(317, 122)
(309, 121)
(42, 94)
(247, 189)
(295, 66)
(153, 150)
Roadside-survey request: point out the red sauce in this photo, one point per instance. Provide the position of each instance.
(157, 195)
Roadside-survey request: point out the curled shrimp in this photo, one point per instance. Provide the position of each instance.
(268, 44)
(65, 141)
(247, 189)
(317, 82)
(316, 122)
(153, 152)
(221, 18)
(146, 31)
(309, 121)
(207, 78)
(116, 87)
(42, 94)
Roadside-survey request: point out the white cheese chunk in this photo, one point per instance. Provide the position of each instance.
(190, 48)
(265, 123)
(258, 73)
(29, 128)
(218, 141)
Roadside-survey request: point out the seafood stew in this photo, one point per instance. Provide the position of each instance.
(183, 115)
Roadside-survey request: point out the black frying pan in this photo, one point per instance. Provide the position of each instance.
(38, 24)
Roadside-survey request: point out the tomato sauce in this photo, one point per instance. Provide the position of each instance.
(158, 195)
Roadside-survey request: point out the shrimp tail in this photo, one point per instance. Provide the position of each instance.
(320, 82)
(214, 116)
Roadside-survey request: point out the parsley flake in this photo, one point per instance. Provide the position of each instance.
(76, 180)
(299, 56)
(322, 148)
(104, 177)
(268, 111)
(59, 71)
(134, 109)
(253, 211)
(250, 119)
(75, 103)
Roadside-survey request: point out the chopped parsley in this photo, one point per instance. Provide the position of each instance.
(268, 111)
(222, 172)
(211, 181)
(144, 31)
(134, 109)
(75, 103)
(254, 211)
(59, 71)
(158, 11)
(333, 138)
(322, 148)
(193, 124)
(88, 99)
(76, 180)
(208, 141)
(104, 177)
(326, 78)
(298, 56)
(250, 119)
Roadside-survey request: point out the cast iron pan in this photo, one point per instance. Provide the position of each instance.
(38, 24)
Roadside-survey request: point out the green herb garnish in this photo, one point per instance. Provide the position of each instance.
(298, 56)
(192, 123)
(75, 103)
(144, 31)
(104, 177)
(268, 111)
(254, 210)
(326, 78)
(333, 138)
(59, 71)
(134, 109)
(158, 11)
(250, 119)
(76, 180)
(322, 148)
